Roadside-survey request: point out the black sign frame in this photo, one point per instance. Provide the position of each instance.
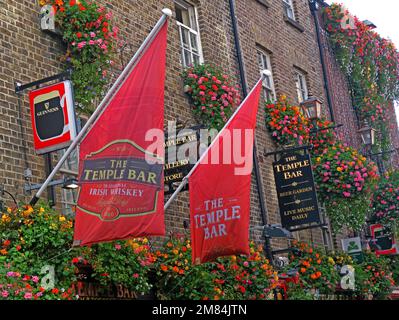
(176, 171)
(296, 192)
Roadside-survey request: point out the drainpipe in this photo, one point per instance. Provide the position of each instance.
(244, 86)
(313, 9)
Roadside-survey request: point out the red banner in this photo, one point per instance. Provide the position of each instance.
(121, 194)
(220, 188)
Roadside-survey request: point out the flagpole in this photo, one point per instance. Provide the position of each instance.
(103, 105)
(265, 73)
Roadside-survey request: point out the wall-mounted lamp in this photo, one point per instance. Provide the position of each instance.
(311, 108)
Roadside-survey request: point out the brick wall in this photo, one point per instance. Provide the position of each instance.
(27, 54)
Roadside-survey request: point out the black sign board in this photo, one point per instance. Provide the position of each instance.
(178, 145)
(296, 190)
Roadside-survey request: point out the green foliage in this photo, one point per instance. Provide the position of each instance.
(385, 201)
(371, 65)
(213, 97)
(91, 40)
(122, 262)
(320, 271)
(344, 179)
(235, 277)
(34, 238)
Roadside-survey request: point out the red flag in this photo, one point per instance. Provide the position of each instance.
(122, 194)
(220, 188)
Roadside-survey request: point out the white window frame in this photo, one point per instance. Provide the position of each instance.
(301, 86)
(289, 9)
(193, 16)
(264, 61)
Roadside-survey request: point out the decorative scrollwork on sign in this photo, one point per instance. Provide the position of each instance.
(47, 18)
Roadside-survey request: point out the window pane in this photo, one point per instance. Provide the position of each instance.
(268, 82)
(260, 61)
(182, 15)
(187, 58)
(194, 43)
(289, 9)
(193, 22)
(196, 59)
(185, 37)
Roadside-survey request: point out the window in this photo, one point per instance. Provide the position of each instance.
(268, 84)
(301, 87)
(289, 9)
(186, 19)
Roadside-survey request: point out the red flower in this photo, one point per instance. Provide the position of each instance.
(81, 7)
(55, 291)
(18, 247)
(72, 3)
(75, 260)
(6, 243)
(242, 289)
(79, 35)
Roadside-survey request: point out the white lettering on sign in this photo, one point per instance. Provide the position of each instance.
(213, 221)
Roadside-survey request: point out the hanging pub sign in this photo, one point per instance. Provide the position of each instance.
(180, 146)
(353, 247)
(384, 242)
(296, 190)
(53, 117)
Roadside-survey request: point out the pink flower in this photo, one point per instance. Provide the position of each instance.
(35, 279)
(136, 275)
(118, 247)
(28, 295)
(246, 264)
(5, 294)
(346, 194)
(81, 45)
(92, 34)
(92, 42)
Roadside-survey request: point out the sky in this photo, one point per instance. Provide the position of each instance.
(383, 13)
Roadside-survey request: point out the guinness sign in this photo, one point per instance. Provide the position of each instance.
(296, 190)
(53, 117)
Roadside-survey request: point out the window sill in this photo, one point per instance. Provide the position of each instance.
(264, 3)
(294, 24)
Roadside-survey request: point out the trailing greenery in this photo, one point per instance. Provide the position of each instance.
(91, 40)
(212, 95)
(371, 64)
